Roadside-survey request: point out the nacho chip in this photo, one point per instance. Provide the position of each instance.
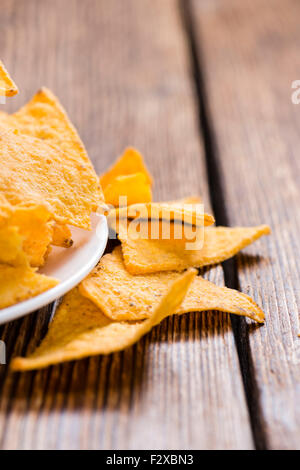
(62, 236)
(177, 212)
(11, 251)
(35, 172)
(34, 225)
(36, 229)
(122, 296)
(134, 188)
(143, 256)
(7, 86)
(130, 162)
(45, 118)
(20, 283)
(185, 200)
(80, 329)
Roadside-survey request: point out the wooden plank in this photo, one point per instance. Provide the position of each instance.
(121, 69)
(249, 53)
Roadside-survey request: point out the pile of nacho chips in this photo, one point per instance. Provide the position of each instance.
(149, 276)
(47, 184)
(43, 166)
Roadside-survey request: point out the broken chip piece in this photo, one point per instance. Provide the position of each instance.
(18, 283)
(130, 162)
(61, 236)
(128, 189)
(7, 85)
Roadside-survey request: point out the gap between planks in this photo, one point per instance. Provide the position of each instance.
(216, 192)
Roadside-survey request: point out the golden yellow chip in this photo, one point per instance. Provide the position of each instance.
(142, 256)
(7, 86)
(62, 236)
(18, 283)
(11, 251)
(36, 229)
(131, 188)
(45, 118)
(185, 200)
(34, 225)
(80, 329)
(130, 162)
(184, 213)
(35, 172)
(122, 296)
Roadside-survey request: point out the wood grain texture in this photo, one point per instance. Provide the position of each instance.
(250, 55)
(121, 68)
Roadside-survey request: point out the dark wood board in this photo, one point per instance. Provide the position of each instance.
(249, 55)
(122, 70)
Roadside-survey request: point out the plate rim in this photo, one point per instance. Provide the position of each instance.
(28, 306)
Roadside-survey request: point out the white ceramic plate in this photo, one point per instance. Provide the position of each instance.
(69, 265)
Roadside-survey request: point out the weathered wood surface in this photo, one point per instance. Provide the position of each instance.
(249, 53)
(121, 68)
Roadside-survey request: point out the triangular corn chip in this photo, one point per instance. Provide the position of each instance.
(131, 188)
(7, 86)
(80, 329)
(130, 162)
(186, 214)
(123, 296)
(18, 283)
(142, 256)
(61, 236)
(45, 118)
(34, 172)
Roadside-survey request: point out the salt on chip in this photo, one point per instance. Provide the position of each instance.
(34, 172)
(142, 256)
(134, 188)
(130, 162)
(7, 85)
(61, 236)
(18, 283)
(177, 212)
(80, 329)
(123, 296)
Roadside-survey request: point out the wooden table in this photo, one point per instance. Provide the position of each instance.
(203, 89)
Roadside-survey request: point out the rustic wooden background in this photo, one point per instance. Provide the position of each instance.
(203, 89)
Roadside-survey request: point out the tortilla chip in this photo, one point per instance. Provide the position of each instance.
(35, 172)
(45, 118)
(7, 85)
(177, 212)
(134, 188)
(130, 162)
(143, 256)
(21, 283)
(122, 296)
(61, 236)
(11, 251)
(80, 329)
(34, 225)
(36, 229)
